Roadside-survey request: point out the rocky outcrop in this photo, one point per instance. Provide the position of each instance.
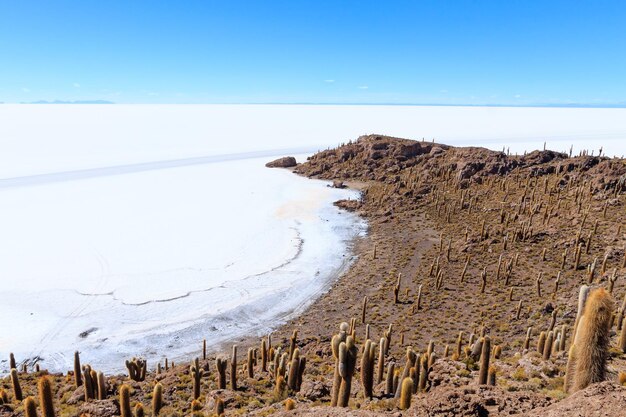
(285, 162)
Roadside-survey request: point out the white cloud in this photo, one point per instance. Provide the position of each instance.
(443, 91)
(329, 81)
(517, 96)
(363, 87)
(26, 90)
(76, 85)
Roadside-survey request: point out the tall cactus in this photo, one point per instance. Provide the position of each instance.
(406, 391)
(30, 408)
(484, 360)
(347, 362)
(45, 397)
(389, 380)
(137, 369)
(78, 380)
(196, 373)
(233, 369)
(409, 363)
(125, 401)
(17, 389)
(367, 369)
(157, 399)
(102, 386)
(592, 340)
(89, 383)
(335, 343)
(381, 359)
(220, 366)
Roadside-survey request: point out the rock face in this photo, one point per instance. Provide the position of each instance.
(285, 162)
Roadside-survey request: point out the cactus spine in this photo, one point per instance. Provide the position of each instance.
(137, 369)
(264, 353)
(30, 408)
(527, 340)
(157, 399)
(364, 309)
(592, 342)
(484, 360)
(547, 348)
(367, 369)
(78, 380)
(491, 377)
(102, 386)
(347, 362)
(389, 380)
(423, 373)
(17, 389)
(406, 392)
(250, 364)
(335, 343)
(233, 369)
(196, 374)
(410, 361)
(88, 383)
(125, 401)
(381, 359)
(139, 411)
(45, 397)
(296, 370)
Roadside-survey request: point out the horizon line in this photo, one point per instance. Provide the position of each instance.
(313, 103)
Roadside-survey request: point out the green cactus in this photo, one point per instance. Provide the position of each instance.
(335, 342)
(292, 343)
(196, 373)
(17, 389)
(592, 340)
(219, 407)
(364, 309)
(484, 360)
(137, 369)
(389, 380)
(491, 377)
(102, 386)
(423, 373)
(125, 401)
(381, 360)
(89, 383)
(547, 348)
(30, 408)
(157, 399)
(406, 393)
(347, 362)
(541, 342)
(410, 362)
(139, 411)
(45, 397)
(78, 380)
(367, 368)
(233, 369)
(264, 355)
(250, 363)
(220, 365)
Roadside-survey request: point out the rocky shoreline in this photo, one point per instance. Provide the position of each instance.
(461, 240)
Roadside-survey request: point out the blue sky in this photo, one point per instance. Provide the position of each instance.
(233, 51)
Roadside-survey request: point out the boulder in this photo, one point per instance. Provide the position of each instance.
(285, 162)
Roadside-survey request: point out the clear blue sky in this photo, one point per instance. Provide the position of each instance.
(384, 51)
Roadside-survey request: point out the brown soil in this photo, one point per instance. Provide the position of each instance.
(432, 207)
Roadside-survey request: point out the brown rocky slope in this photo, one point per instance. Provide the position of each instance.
(478, 239)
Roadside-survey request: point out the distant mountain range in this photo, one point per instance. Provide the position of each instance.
(69, 102)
